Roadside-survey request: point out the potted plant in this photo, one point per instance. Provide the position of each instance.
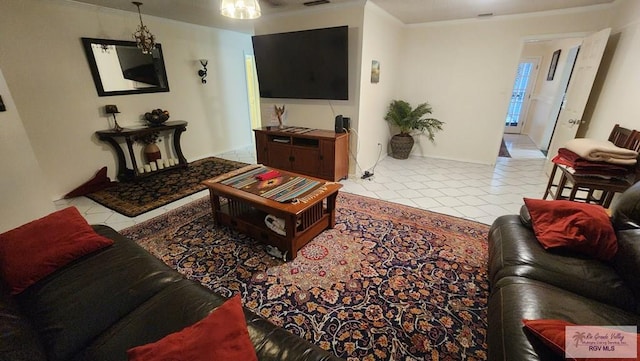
(151, 150)
(410, 121)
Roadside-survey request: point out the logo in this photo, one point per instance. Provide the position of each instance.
(601, 341)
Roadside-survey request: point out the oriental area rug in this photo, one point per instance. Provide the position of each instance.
(389, 282)
(135, 197)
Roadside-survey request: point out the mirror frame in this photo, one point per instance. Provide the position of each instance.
(96, 74)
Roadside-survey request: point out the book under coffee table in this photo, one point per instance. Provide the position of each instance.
(241, 201)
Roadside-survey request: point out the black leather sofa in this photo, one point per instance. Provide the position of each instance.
(528, 282)
(100, 305)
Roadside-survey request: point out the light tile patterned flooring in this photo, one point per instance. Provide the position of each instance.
(473, 191)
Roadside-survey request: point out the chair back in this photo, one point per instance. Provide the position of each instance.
(620, 136)
(633, 142)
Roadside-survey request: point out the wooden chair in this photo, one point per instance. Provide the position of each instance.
(598, 190)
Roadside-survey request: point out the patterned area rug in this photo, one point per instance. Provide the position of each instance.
(389, 282)
(142, 195)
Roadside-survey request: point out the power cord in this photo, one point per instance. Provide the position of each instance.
(357, 149)
(367, 174)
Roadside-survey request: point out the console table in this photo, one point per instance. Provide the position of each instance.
(111, 136)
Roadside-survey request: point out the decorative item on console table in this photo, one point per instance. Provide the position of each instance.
(409, 120)
(151, 149)
(279, 113)
(113, 110)
(156, 117)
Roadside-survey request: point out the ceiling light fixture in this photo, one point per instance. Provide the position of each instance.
(240, 9)
(144, 39)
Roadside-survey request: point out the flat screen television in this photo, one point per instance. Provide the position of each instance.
(308, 64)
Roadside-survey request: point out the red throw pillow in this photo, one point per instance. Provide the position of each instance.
(581, 227)
(222, 335)
(552, 334)
(36, 249)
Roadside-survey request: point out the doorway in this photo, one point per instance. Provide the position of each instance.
(523, 85)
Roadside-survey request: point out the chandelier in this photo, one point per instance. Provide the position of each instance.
(144, 39)
(240, 9)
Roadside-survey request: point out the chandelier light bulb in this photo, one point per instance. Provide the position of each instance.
(240, 9)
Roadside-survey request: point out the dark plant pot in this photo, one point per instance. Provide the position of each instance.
(152, 152)
(401, 146)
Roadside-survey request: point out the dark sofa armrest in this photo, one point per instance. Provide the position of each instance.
(626, 212)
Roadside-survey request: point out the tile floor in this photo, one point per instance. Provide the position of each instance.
(473, 191)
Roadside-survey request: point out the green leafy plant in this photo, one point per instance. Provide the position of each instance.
(409, 120)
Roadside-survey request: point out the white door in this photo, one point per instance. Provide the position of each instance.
(558, 99)
(523, 85)
(253, 93)
(584, 73)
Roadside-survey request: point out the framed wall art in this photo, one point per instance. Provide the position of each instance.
(553, 65)
(375, 71)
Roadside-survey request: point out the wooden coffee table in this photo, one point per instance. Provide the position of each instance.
(246, 212)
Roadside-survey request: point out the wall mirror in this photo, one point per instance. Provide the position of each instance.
(118, 67)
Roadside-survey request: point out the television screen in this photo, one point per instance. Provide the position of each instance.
(309, 64)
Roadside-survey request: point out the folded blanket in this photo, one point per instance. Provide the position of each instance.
(580, 163)
(590, 169)
(601, 151)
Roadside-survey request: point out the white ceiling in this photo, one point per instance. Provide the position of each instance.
(205, 12)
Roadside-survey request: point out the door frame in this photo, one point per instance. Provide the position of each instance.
(536, 38)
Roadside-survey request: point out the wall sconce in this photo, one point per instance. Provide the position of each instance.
(203, 72)
(113, 110)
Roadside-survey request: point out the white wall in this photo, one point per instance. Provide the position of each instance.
(25, 193)
(465, 70)
(382, 40)
(312, 113)
(614, 98)
(45, 66)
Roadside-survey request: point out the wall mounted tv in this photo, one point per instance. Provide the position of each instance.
(308, 64)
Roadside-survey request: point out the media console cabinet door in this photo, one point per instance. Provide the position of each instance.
(279, 156)
(306, 160)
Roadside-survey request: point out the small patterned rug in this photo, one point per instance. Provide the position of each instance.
(389, 282)
(504, 152)
(142, 195)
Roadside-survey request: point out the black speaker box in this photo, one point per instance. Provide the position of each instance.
(346, 123)
(339, 127)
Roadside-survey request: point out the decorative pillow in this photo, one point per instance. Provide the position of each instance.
(36, 249)
(552, 334)
(222, 335)
(580, 227)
